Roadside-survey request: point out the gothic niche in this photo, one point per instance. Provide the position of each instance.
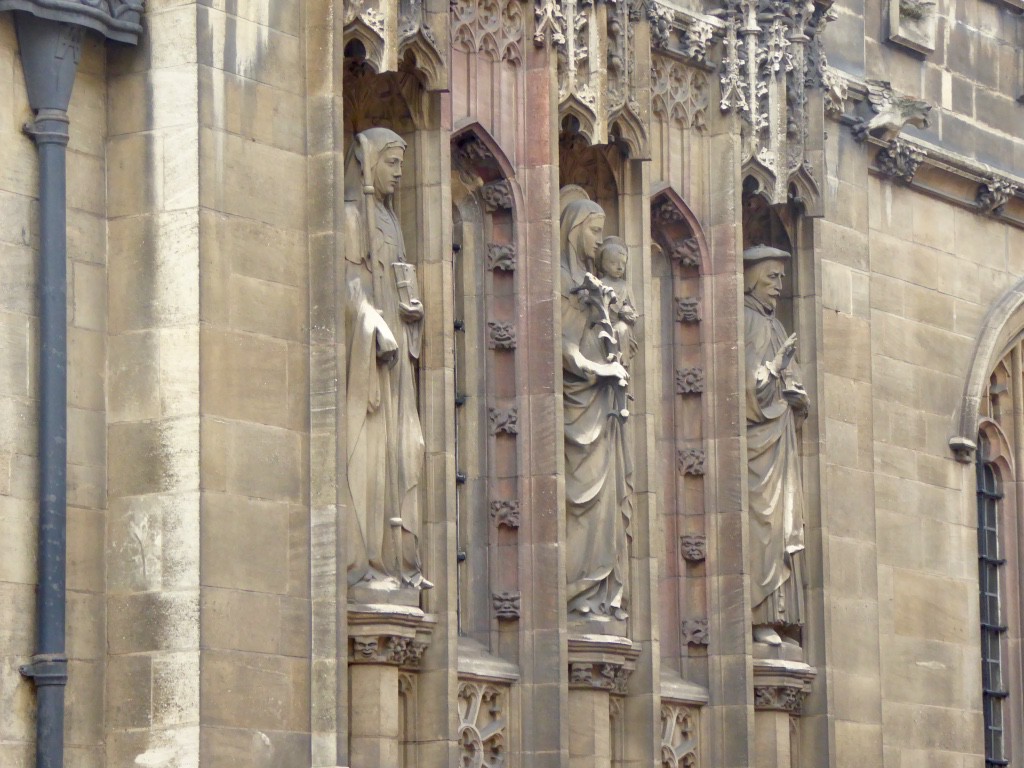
(396, 100)
(676, 276)
(486, 413)
(370, 23)
(383, 343)
(776, 406)
(767, 224)
(596, 169)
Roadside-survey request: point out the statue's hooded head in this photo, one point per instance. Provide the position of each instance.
(371, 163)
(581, 233)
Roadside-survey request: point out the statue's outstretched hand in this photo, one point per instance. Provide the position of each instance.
(785, 355)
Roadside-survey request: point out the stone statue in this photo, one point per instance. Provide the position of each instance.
(612, 261)
(776, 405)
(598, 464)
(383, 316)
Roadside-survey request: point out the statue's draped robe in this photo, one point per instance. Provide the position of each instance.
(384, 436)
(773, 475)
(598, 470)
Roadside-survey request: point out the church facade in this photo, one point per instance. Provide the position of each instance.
(578, 383)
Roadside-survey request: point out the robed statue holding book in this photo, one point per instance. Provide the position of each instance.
(383, 318)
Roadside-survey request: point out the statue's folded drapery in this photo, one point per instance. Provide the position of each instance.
(775, 487)
(384, 438)
(598, 470)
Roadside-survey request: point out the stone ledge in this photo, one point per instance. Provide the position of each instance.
(388, 634)
(604, 662)
(476, 663)
(781, 686)
(679, 691)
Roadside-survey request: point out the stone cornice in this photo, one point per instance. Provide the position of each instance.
(935, 170)
(683, 34)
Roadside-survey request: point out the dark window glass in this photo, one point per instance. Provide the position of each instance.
(989, 565)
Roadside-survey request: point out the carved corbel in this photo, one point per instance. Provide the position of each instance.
(693, 547)
(503, 420)
(501, 335)
(497, 195)
(397, 650)
(690, 381)
(695, 631)
(900, 160)
(692, 461)
(994, 194)
(501, 258)
(781, 686)
(506, 605)
(505, 513)
(688, 309)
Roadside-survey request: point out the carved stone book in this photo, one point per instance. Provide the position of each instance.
(408, 291)
(405, 279)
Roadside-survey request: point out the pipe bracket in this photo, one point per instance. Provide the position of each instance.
(47, 669)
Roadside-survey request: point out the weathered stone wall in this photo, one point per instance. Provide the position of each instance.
(254, 393)
(205, 170)
(934, 272)
(972, 76)
(87, 411)
(904, 281)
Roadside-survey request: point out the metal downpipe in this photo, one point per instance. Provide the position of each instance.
(49, 54)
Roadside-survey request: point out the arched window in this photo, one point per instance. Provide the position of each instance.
(999, 501)
(993, 627)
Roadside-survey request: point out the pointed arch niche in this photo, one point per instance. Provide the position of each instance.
(405, 99)
(484, 246)
(679, 259)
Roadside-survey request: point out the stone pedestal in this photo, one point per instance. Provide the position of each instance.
(780, 687)
(599, 666)
(383, 640)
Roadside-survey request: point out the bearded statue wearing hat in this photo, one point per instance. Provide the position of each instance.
(776, 405)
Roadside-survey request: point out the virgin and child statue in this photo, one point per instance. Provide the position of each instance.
(598, 462)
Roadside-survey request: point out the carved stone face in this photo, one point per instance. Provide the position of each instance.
(613, 262)
(388, 171)
(767, 281)
(591, 234)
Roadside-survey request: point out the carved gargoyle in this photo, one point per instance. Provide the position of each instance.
(893, 113)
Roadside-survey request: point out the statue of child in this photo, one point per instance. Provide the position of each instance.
(612, 260)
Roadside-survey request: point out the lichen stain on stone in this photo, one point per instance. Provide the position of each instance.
(155, 758)
(246, 38)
